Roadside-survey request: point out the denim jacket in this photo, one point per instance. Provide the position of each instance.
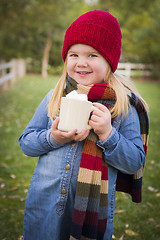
(50, 200)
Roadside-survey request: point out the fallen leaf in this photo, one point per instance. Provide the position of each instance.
(12, 189)
(2, 185)
(150, 188)
(22, 199)
(149, 204)
(13, 197)
(25, 190)
(119, 211)
(12, 176)
(121, 238)
(158, 194)
(130, 232)
(4, 165)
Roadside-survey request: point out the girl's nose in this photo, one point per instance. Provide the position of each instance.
(82, 62)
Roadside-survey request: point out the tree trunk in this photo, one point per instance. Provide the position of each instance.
(45, 58)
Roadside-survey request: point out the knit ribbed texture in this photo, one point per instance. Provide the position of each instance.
(98, 29)
(90, 209)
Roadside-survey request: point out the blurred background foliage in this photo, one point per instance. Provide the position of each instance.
(34, 29)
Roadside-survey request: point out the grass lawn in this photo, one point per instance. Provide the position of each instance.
(17, 105)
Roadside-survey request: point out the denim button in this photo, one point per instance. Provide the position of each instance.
(73, 143)
(68, 167)
(63, 191)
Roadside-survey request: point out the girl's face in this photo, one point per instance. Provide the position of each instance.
(85, 65)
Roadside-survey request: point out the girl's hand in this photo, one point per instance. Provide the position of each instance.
(65, 137)
(101, 121)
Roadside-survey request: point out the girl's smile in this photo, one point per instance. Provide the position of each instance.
(86, 65)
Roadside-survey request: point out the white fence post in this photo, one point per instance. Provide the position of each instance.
(131, 69)
(17, 69)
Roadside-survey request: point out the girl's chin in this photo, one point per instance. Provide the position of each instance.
(84, 80)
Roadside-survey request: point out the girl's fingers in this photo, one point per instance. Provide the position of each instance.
(65, 134)
(55, 123)
(101, 107)
(69, 134)
(82, 135)
(95, 118)
(62, 136)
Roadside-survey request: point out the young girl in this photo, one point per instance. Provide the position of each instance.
(73, 189)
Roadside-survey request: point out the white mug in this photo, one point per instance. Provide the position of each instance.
(74, 114)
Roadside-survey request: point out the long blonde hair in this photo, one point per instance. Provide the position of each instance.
(122, 87)
(54, 104)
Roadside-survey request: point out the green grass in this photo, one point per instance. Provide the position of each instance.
(17, 105)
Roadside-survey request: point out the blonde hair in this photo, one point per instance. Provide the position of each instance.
(54, 104)
(121, 85)
(123, 88)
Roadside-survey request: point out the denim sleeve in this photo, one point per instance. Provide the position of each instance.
(123, 149)
(36, 138)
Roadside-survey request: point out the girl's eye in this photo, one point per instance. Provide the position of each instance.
(73, 55)
(92, 55)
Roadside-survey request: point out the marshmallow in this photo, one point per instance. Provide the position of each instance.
(75, 95)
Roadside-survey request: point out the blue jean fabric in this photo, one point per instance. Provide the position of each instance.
(48, 208)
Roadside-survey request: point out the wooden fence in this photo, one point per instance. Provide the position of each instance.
(10, 72)
(134, 69)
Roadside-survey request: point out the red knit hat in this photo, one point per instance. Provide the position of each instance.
(98, 29)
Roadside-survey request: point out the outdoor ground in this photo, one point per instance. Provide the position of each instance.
(17, 105)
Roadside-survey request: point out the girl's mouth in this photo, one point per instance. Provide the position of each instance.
(83, 73)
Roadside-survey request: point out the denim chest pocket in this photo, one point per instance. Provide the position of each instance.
(69, 161)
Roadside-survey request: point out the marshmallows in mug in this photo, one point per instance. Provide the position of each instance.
(75, 95)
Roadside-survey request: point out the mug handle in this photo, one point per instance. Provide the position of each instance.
(92, 109)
